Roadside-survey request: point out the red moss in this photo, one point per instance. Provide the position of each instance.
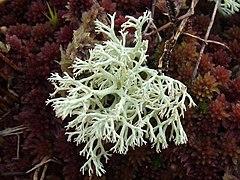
(205, 87)
(38, 147)
(222, 74)
(212, 128)
(185, 52)
(234, 32)
(14, 42)
(221, 57)
(236, 85)
(235, 48)
(36, 12)
(185, 71)
(59, 3)
(49, 52)
(120, 20)
(18, 52)
(108, 5)
(69, 155)
(200, 24)
(8, 19)
(218, 108)
(18, 5)
(64, 35)
(22, 31)
(75, 9)
(212, 47)
(236, 112)
(206, 63)
(230, 145)
(44, 60)
(41, 32)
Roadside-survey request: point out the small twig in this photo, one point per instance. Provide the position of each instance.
(44, 161)
(151, 23)
(205, 39)
(172, 12)
(152, 16)
(44, 172)
(8, 61)
(190, 11)
(37, 167)
(3, 102)
(188, 14)
(208, 41)
(9, 94)
(153, 7)
(155, 27)
(169, 44)
(18, 147)
(12, 134)
(36, 172)
(4, 115)
(12, 131)
(35, 175)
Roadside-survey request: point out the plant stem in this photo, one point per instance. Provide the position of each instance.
(205, 40)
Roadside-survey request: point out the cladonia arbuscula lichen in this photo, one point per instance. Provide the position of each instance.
(114, 98)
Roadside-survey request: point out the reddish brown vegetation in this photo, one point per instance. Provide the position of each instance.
(213, 128)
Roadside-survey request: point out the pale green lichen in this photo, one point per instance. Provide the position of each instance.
(228, 7)
(113, 97)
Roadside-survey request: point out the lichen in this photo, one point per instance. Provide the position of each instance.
(228, 7)
(113, 97)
